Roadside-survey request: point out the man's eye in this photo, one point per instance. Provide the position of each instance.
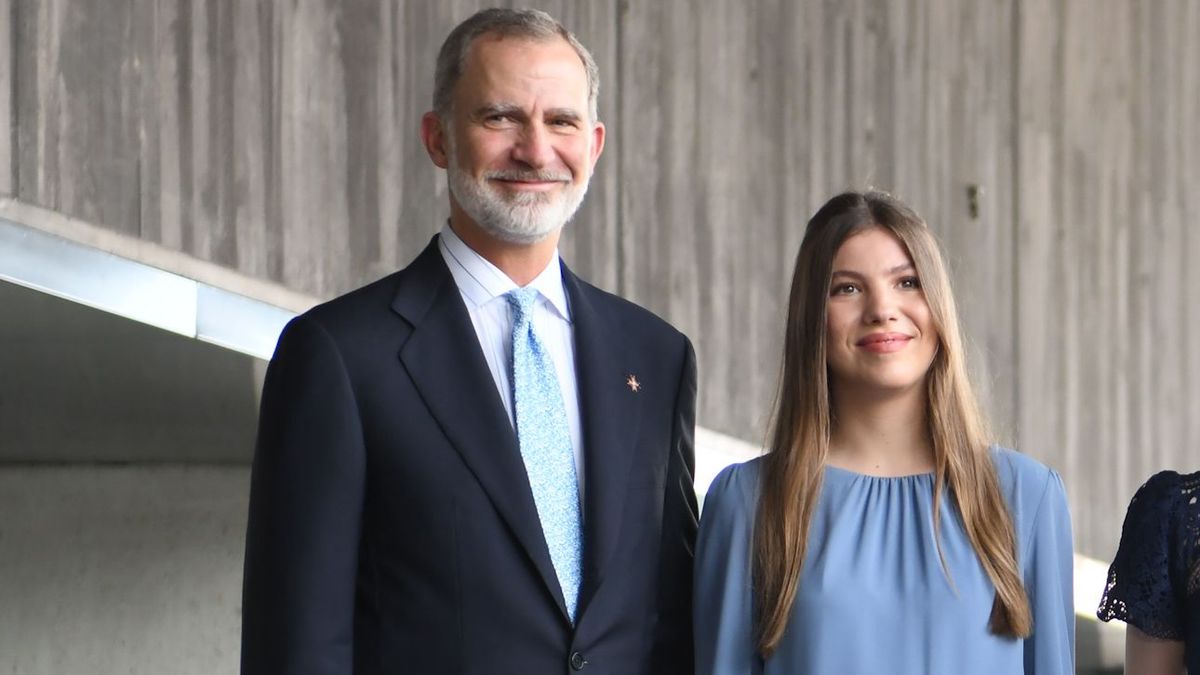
(498, 119)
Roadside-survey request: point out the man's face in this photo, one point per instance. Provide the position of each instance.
(518, 146)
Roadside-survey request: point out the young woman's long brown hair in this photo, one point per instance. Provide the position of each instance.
(801, 426)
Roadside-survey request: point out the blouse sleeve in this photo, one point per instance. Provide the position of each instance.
(723, 619)
(1139, 589)
(1049, 581)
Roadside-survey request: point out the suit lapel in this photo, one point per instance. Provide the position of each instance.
(610, 414)
(446, 364)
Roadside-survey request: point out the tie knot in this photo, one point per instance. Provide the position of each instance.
(522, 300)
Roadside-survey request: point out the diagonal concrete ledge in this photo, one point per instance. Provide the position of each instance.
(152, 255)
(143, 282)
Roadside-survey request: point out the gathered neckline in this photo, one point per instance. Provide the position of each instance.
(855, 474)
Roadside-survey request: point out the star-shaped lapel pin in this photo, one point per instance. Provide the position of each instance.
(633, 384)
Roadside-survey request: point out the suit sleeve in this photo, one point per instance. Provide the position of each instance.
(306, 495)
(1048, 581)
(673, 644)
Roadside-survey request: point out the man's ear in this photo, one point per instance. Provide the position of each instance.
(597, 142)
(433, 135)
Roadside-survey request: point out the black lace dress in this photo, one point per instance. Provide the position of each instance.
(1154, 582)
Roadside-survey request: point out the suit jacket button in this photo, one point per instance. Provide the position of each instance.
(577, 661)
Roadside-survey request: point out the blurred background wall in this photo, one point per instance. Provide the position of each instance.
(1054, 146)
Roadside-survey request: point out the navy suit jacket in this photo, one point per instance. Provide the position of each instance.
(392, 528)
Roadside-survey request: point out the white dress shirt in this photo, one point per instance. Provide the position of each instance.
(483, 286)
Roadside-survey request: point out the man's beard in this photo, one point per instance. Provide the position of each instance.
(516, 217)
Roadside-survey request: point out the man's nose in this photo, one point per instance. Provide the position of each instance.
(534, 147)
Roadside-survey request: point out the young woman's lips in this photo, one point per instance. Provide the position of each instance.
(884, 343)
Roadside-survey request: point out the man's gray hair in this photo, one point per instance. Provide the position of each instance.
(533, 24)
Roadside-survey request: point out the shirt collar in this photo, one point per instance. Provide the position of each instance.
(481, 282)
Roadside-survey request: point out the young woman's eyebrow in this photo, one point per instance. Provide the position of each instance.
(895, 270)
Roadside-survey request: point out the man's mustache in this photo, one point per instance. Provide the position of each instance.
(531, 176)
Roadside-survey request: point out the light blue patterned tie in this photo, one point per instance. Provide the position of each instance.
(545, 441)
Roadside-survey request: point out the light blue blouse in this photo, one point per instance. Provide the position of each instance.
(873, 597)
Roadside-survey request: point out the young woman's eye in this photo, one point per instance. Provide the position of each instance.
(910, 282)
(843, 289)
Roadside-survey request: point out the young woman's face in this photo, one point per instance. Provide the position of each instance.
(880, 335)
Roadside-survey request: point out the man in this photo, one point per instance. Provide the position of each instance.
(480, 464)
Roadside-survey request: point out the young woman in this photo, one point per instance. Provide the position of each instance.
(1154, 582)
(881, 533)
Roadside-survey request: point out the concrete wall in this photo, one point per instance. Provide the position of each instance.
(107, 569)
(1107, 288)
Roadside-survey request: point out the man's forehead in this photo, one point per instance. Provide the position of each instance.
(503, 70)
(492, 49)
(496, 39)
